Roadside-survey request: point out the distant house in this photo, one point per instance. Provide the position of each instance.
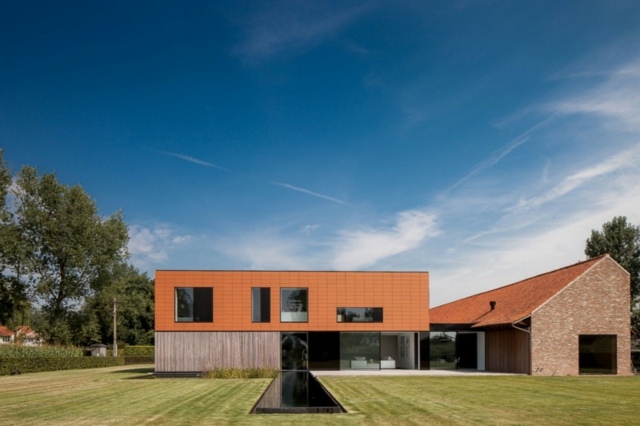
(23, 335)
(27, 337)
(570, 321)
(6, 335)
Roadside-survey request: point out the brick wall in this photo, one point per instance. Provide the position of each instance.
(595, 303)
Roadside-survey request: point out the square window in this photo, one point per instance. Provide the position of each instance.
(294, 305)
(194, 304)
(598, 354)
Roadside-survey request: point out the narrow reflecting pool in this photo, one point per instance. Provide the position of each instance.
(296, 392)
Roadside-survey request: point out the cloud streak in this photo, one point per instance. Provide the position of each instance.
(200, 162)
(284, 28)
(621, 161)
(194, 160)
(501, 153)
(306, 191)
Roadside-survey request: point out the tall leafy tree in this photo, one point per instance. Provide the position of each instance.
(133, 292)
(68, 245)
(621, 240)
(14, 302)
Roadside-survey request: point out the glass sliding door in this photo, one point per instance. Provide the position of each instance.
(360, 351)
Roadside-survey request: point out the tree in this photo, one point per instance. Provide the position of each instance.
(621, 240)
(133, 292)
(66, 245)
(14, 302)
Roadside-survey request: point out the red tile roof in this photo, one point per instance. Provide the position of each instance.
(5, 332)
(513, 302)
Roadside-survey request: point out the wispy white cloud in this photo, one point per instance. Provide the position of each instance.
(152, 245)
(620, 161)
(356, 249)
(194, 160)
(617, 98)
(287, 27)
(268, 249)
(306, 191)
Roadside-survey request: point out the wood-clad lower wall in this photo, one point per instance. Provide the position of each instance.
(507, 351)
(186, 351)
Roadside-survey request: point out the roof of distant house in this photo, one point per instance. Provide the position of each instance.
(511, 303)
(5, 332)
(26, 331)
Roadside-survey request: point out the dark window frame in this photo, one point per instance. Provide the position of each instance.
(264, 315)
(202, 303)
(342, 314)
(305, 304)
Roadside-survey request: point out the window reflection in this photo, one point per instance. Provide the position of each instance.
(294, 305)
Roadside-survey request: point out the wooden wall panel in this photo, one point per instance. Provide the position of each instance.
(507, 351)
(203, 351)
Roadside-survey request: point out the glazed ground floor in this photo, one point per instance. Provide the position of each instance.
(184, 352)
(500, 351)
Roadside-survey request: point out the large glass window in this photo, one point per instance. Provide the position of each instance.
(294, 305)
(598, 354)
(261, 304)
(359, 314)
(194, 304)
(359, 351)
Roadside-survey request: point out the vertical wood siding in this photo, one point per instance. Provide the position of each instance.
(204, 351)
(507, 351)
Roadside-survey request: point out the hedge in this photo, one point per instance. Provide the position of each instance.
(19, 351)
(137, 351)
(241, 373)
(130, 360)
(11, 366)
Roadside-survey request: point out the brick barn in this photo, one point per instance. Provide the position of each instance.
(574, 320)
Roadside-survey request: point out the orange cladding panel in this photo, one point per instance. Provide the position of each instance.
(404, 297)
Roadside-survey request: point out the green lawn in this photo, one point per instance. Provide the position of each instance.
(128, 395)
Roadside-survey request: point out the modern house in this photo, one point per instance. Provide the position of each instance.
(570, 321)
(290, 320)
(574, 320)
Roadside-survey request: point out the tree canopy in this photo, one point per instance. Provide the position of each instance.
(62, 258)
(621, 240)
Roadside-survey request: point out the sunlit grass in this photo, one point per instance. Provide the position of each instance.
(130, 396)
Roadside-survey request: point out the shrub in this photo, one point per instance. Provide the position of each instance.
(11, 366)
(130, 360)
(241, 373)
(136, 351)
(18, 351)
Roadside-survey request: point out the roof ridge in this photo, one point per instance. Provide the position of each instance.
(598, 258)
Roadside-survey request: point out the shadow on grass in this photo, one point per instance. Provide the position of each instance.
(137, 370)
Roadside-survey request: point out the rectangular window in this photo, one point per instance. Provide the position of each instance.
(261, 304)
(598, 354)
(194, 304)
(294, 305)
(359, 315)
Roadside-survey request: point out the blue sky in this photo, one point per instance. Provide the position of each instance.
(480, 141)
